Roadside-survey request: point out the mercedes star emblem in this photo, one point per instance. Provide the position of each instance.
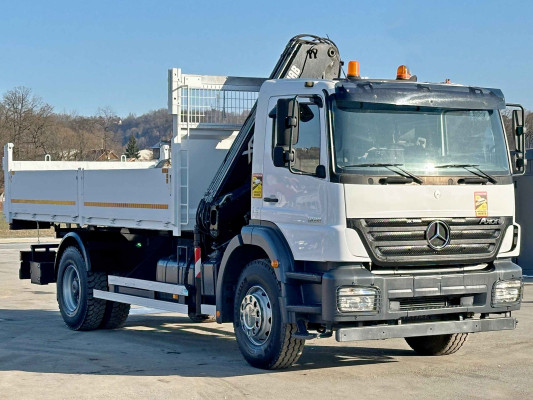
(438, 235)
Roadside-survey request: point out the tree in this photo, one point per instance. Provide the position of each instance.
(132, 150)
(77, 136)
(148, 128)
(107, 120)
(25, 120)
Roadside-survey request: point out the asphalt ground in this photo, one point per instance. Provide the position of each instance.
(164, 356)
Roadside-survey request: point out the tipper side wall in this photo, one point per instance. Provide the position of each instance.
(207, 112)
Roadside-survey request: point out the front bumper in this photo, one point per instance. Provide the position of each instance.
(472, 291)
(424, 329)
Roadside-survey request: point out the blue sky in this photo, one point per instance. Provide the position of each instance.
(81, 56)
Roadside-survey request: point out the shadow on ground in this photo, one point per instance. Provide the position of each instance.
(150, 345)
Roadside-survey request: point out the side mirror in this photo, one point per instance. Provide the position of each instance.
(518, 123)
(287, 113)
(518, 156)
(320, 171)
(279, 156)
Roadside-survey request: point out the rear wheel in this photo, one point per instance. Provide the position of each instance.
(75, 285)
(115, 315)
(264, 340)
(439, 345)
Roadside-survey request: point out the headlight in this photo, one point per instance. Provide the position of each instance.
(506, 292)
(357, 299)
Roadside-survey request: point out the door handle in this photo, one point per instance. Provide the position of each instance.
(271, 199)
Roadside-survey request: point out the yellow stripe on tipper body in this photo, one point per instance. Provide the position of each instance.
(48, 202)
(126, 205)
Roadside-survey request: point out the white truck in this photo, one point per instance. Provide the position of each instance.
(364, 208)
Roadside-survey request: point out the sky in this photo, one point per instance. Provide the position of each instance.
(79, 56)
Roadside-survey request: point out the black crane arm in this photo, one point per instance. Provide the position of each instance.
(305, 56)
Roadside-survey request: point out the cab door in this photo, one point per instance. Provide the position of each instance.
(294, 196)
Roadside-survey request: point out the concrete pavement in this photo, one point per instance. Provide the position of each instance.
(164, 356)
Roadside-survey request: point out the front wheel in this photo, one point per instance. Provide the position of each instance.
(438, 345)
(264, 340)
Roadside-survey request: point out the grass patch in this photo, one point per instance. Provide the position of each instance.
(6, 233)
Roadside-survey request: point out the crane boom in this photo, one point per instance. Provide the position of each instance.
(305, 56)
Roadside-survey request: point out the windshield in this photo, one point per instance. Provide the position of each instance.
(417, 138)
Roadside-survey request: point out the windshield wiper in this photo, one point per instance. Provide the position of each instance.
(404, 173)
(480, 173)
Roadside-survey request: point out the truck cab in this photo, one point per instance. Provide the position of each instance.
(396, 202)
(399, 154)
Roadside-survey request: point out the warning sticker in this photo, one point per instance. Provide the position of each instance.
(257, 186)
(481, 204)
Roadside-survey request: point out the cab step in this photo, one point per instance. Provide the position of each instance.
(305, 309)
(304, 276)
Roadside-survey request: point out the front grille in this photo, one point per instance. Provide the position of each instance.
(420, 235)
(403, 241)
(426, 250)
(427, 303)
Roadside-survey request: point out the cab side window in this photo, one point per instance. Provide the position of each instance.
(306, 151)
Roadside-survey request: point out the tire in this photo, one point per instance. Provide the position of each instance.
(439, 345)
(264, 340)
(79, 309)
(115, 315)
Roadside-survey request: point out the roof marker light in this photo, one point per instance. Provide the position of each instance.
(403, 73)
(353, 69)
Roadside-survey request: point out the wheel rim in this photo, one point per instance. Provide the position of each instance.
(71, 290)
(256, 315)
